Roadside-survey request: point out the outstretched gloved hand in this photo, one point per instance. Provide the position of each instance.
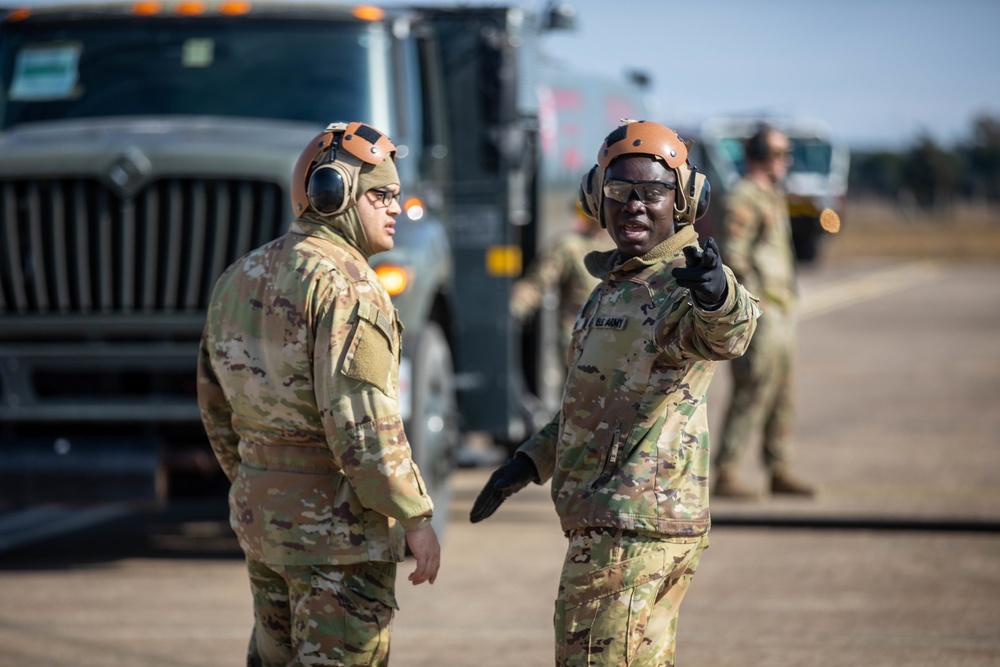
(703, 275)
(505, 481)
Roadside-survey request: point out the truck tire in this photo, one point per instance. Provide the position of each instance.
(433, 426)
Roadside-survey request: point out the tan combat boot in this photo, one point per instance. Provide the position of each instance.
(729, 485)
(784, 482)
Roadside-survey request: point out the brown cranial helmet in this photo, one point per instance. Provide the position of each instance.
(640, 137)
(325, 177)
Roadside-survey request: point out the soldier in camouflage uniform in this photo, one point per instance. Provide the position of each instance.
(297, 385)
(757, 239)
(628, 452)
(560, 267)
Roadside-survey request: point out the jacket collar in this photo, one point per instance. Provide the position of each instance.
(601, 264)
(317, 227)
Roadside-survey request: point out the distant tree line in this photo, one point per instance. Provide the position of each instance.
(932, 176)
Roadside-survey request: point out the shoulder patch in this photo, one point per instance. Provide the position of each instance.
(368, 310)
(371, 353)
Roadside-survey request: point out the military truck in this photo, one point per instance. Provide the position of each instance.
(817, 176)
(145, 146)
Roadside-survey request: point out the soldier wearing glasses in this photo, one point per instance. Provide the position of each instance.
(628, 452)
(298, 389)
(757, 238)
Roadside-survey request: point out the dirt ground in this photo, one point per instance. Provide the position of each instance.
(876, 229)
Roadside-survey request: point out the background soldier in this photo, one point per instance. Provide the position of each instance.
(560, 267)
(297, 384)
(758, 247)
(628, 451)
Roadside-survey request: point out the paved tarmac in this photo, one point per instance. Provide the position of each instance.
(766, 593)
(896, 562)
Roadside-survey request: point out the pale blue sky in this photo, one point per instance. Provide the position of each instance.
(879, 72)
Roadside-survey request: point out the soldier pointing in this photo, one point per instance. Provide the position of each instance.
(628, 453)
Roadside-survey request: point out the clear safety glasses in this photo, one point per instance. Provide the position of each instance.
(649, 192)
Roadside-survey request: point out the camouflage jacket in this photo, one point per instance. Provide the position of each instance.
(758, 244)
(629, 446)
(297, 385)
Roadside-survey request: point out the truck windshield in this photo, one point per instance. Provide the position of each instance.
(290, 70)
(811, 156)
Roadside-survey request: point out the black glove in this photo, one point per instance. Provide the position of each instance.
(505, 481)
(703, 275)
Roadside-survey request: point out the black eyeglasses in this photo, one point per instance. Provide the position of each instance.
(386, 196)
(649, 192)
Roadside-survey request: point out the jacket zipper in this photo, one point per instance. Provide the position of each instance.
(611, 462)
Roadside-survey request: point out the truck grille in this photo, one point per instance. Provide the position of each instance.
(71, 246)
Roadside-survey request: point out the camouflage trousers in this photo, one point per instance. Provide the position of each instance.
(329, 615)
(619, 597)
(761, 405)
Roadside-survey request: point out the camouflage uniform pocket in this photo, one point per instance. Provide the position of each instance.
(600, 615)
(342, 614)
(374, 580)
(618, 597)
(372, 350)
(613, 579)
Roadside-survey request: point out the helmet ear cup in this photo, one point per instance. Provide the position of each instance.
(589, 195)
(756, 146)
(701, 194)
(329, 188)
(693, 197)
(327, 174)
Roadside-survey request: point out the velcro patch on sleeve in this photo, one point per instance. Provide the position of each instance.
(370, 355)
